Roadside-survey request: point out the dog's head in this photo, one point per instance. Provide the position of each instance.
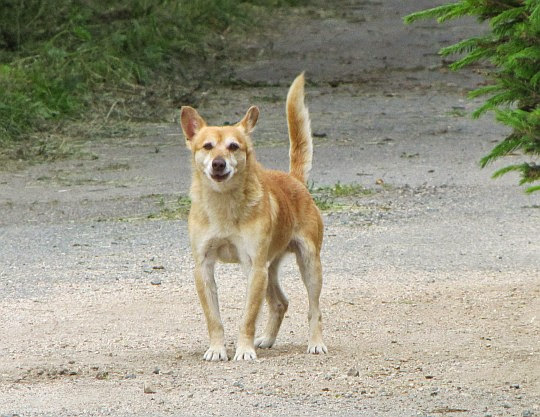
(219, 152)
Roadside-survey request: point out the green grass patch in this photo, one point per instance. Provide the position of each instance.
(66, 60)
(343, 190)
(338, 196)
(457, 112)
(179, 209)
(326, 203)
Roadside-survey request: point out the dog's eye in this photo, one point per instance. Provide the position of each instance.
(234, 147)
(208, 146)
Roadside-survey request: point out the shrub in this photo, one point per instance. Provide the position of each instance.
(512, 50)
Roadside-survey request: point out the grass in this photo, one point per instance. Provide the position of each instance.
(328, 198)
(66, 61)
(179, 209)
(457, 112)
(338, 196)
(326, 204)
(347, 190)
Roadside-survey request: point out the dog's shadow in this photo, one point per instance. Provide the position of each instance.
(282, 350)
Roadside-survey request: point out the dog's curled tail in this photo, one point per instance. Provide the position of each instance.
(301, 143)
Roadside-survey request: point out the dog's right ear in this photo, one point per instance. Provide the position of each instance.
(250, 119)
(191, 123)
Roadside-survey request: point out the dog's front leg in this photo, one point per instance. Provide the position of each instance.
(257, 283)
(207, 291)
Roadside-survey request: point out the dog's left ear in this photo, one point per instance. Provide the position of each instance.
(191, 122)
(250, 119)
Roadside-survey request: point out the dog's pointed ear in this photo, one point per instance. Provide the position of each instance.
(191, 122)
(250, 119)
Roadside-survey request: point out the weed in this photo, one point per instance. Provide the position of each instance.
(338, 196)
(175, 211)
(343, 190)
(457, 112)
(327, 204)
(59, 59)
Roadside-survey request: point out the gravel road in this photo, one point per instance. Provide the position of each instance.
(431, 298)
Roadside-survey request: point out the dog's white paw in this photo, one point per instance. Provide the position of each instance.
(264, 342)
(216, 354)
(317, 348)
(245, 354)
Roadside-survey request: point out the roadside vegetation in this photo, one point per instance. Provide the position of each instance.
(69, 60)
(330, 198)
(172, 210)
(511, 50)
(339, 196)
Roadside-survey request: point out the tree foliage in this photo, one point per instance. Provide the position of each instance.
(512, 48)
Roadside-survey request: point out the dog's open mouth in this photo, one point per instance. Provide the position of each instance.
(220, 177)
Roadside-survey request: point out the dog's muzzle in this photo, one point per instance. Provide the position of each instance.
(219, 169)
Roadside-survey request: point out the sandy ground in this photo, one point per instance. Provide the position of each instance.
(431, 300)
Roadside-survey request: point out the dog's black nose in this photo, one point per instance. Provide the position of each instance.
(219, 164)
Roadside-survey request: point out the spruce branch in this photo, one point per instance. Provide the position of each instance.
(532, 189)
(430, 13)
(511, 51)
(507, 146)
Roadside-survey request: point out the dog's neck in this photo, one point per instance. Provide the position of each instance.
(233, 204)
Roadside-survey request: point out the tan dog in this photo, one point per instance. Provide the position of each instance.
(246, 214)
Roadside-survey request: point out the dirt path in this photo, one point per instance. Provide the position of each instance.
(432, 294)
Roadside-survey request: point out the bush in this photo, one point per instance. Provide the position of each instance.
(512, 50)
(57, 57)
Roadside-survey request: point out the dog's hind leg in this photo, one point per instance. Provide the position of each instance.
(309, 262)
(277, 306)
(207, 291)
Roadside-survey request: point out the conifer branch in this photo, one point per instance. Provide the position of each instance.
(512, 50)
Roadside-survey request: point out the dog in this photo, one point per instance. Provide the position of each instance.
(243, 213)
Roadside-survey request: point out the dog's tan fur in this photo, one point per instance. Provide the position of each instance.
(244, 213)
